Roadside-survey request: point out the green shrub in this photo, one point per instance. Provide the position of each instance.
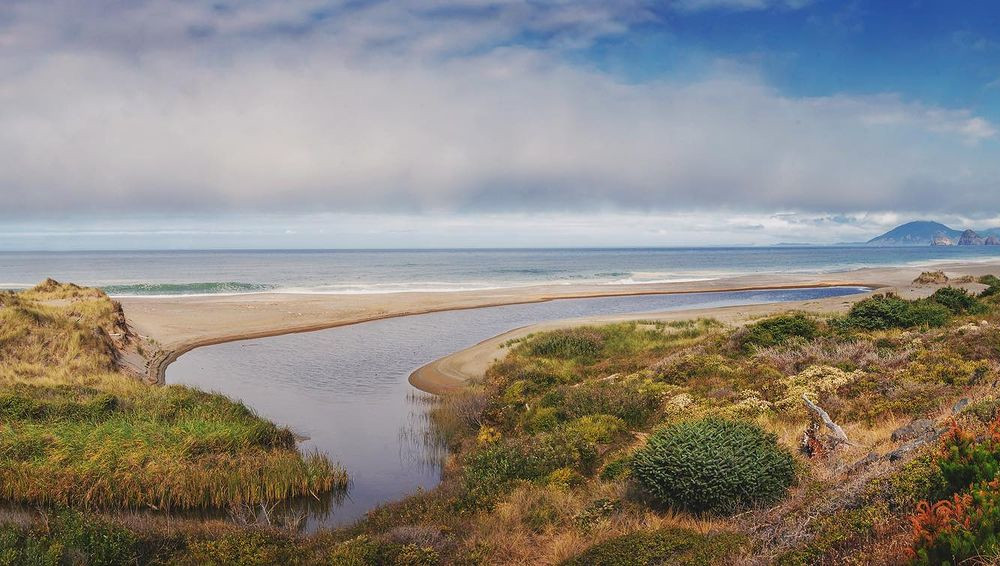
(493, 469)
(777, 330)
(965, 461)
(918, 480)
(363, 550)
(540, 419)
(960, 530)
(566, 344)
(629, 401)
(617, 468)
(675, 546)
(602, 429)
(882, 312)
(713, 465)
(992, 283)
(958, 301)
(71, 538)
(251, 548)
(19, 548)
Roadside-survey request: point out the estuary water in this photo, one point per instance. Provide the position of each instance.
(345, 389)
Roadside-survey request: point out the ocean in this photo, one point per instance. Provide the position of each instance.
(173, 273)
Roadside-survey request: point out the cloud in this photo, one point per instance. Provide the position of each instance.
(465, 106)
(739, 5)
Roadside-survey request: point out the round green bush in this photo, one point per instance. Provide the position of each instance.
(713, 465)
(777, 330)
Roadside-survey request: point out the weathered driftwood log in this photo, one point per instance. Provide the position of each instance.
(838, 434)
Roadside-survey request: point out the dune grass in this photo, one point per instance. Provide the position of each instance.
(76, 431)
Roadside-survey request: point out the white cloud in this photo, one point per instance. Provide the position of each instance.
(263, 107)
(699, 5)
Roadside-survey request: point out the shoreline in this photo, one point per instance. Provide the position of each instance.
(454, 371)
(158, 364)
(179, 325)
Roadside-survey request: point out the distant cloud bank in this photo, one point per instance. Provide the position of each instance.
(448, 106)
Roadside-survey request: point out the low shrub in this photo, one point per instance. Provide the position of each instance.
(682, 369)
(252, 548)
(992, 283)
(714, 465)
(882, 312)
(675, 546)
(939, 366)
(629, 401)
(776, 330)
(602, 429)
(566, 344)
(965, 461)
(493, 469)
(364, 550)
(540, 419)
(958, 301)
(960, 530)
(617, 468)
(70, 538)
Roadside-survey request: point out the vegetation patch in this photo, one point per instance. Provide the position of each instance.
(777, 330)
(667, 546)
(958, 301)
(75, 430)
(886, 311)
(714, 465)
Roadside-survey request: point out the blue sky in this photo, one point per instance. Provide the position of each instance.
(335, 123)
(938, 52)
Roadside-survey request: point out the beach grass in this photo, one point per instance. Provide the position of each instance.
(74, 430)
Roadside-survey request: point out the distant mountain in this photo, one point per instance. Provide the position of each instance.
(919, 233)
(927, 233)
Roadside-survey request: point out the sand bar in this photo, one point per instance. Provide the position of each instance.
(179, 324)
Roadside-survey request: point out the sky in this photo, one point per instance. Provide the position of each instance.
(452, 123)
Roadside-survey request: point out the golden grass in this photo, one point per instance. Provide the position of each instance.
(75, 431)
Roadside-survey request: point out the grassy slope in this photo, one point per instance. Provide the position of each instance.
(74, 430)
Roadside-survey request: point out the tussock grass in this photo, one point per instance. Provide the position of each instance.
(76, 431)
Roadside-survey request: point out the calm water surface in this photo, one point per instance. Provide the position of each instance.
(346, 388)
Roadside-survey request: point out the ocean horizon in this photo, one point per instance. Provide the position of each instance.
(173, 273)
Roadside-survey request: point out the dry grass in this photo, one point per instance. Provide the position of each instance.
(76, 431)
(861, 353)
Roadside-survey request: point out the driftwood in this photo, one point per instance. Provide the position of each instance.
(839, 436)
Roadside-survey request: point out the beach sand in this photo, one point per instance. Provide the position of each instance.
(179, 324)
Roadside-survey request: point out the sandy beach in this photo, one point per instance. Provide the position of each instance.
(179, 324)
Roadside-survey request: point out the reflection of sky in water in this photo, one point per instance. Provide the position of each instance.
(346, 388)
